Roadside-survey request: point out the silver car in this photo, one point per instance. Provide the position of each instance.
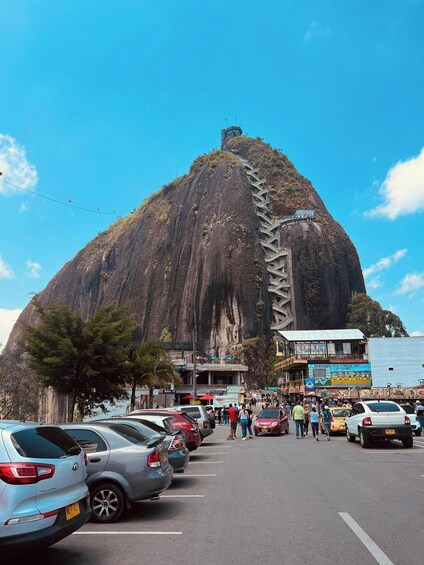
(123, 466)
(198, 412)
(43, 494)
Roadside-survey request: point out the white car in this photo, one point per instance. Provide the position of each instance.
(378, 420)
(416, 426)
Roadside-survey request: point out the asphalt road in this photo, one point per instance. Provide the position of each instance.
(270, 499)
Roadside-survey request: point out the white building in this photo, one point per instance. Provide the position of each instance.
(396, 360)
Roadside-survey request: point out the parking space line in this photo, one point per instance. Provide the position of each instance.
(111, 533)
(210, 453)
(372, 547)
(194, 476)
(205, 462)
(182, 496)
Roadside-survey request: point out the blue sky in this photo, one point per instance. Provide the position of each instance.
(101, 103)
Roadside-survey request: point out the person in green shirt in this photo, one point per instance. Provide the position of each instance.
(298, 415)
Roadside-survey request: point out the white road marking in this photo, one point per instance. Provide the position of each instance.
(205, 462)
(420, 446)
(421, 475)
(372, 547)
(194, 475)
(182, 496)
(209, 453)
(111, 533)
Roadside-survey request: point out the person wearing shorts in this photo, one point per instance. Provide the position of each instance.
(233, 419)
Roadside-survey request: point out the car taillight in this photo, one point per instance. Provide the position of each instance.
(407, 420)
(153, 459)
(206, 424)
(367, 422)
(25, 473)
(176, 443)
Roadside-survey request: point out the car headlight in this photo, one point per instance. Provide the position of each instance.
(274, 424)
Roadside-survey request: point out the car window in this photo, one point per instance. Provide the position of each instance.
(44, 442)
(88, 440)
(342, 413)
(383, 407)
(156, 428)
(268, 414)
(189, 419)
(194, 412)
(129, 432)
(408, 408)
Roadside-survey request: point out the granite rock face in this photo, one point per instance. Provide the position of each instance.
(190, 257)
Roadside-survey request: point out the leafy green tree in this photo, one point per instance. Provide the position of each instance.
(367, 315)
(149, 365)
(260, 356)
(82, 359)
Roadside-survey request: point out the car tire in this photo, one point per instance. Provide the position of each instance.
(350, 438)
(417, 432)
(365, 442)
(107, 503)
(408, 442)
(256, 433)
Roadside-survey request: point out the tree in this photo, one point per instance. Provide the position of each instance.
(19, 394)
(260, 356)
(83, 359)
(149, 365)
(367, 315)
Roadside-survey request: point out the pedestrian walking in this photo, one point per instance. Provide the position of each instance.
(314, 418)
(219, 414)
(233, 418)
(224, 416)
(326, 421)
(244, 420)
(420, 413)
(249, 423)
(298, 419)
(306, 420)
(288, 410)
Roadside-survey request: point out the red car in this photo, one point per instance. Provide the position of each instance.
(180, 421)
(271, 421)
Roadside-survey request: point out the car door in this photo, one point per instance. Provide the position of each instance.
(351, 422)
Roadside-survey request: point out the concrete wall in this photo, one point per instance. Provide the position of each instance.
(404, 355)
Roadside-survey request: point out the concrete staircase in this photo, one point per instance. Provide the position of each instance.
(277, 259)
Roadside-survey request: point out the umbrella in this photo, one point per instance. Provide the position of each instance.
(206, 397)
(188, 397)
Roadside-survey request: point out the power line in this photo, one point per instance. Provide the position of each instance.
(63, 202)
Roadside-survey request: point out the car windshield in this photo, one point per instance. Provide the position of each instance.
(383, 407)
(194, 412)
(268, 414)
(340, 413)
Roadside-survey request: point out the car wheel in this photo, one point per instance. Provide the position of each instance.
(365, 442)
(256, 433)
(107, 503)
(417, 432)
(350, 438)
(408, 442)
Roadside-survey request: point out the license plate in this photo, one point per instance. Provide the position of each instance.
(264, 430)
(72, 510)
(390, 432)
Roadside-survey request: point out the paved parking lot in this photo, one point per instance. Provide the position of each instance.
(266, 499)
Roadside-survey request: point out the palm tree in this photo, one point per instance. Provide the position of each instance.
(149, 365)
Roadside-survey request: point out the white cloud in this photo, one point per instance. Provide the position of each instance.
(23, 207)
(411, 283)
(7, 320)
(402, 189)
(374, 284)
(384, 263)
(14, 166)
(32, 269)
(315, 31)
(417, 334)
(5, 271)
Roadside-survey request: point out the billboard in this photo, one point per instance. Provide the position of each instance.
(340, 374)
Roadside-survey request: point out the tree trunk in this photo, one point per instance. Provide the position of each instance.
(151, 396)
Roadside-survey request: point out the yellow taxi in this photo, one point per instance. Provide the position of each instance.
(338, 417)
